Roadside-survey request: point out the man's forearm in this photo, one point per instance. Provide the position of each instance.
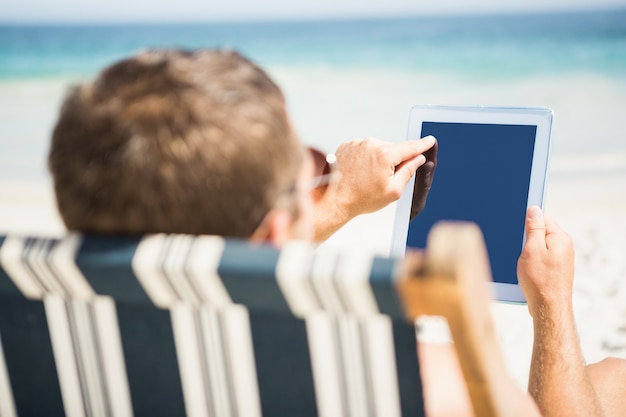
(558, 381)
(328, 218)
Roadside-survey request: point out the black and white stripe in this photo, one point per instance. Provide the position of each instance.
(7, 405)
(83, 327)
(87, 350)
(212, 335)
(351, 344)
(212, 304)
(325, 280)
(216, 360)
(353, 365)
(178, 268)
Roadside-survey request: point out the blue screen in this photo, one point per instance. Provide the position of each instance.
(483, 176)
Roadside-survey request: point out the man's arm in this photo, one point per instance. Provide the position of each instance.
(373, 174)
(558, 381)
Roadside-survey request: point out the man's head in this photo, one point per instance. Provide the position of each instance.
(178, 142)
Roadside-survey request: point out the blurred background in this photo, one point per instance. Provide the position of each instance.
(354, 69)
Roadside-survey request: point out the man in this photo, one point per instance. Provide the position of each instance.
(200, 142)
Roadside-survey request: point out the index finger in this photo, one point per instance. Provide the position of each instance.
(409, 149)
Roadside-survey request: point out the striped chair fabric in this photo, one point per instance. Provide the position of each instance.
(177, 325)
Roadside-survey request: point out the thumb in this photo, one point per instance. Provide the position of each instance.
(535, 227)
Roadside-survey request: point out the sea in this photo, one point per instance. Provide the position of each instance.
(352, 78)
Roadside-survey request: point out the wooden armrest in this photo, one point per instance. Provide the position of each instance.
(449, 280)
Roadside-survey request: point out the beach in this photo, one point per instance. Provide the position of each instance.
(335, 94)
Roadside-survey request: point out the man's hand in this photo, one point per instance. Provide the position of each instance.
(558, 379)
(374, 174)
(546, 265)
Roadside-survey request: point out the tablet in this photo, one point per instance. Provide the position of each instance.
(492, 165)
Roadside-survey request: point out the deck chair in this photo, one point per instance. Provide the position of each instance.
(177, 325)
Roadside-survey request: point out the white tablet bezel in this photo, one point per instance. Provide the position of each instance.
(537, 116)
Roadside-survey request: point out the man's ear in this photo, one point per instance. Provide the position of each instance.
(275, 229)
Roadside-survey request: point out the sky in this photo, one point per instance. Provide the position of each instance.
(74, 11)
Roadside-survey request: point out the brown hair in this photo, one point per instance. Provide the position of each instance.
(173, 141)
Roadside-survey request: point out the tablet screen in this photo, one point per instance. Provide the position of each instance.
(491, 165)
(483, 172)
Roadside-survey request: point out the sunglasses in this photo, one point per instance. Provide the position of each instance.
(325, 174)
(325, 171)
